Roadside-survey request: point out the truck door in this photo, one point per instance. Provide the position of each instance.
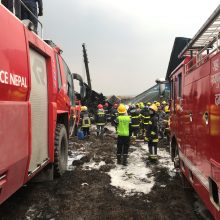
(214, 117)
(201, 103)
(189, 118)
(39, 110)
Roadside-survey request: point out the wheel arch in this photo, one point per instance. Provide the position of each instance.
(62, 118)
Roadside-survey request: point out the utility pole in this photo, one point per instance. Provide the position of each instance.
(86, 66)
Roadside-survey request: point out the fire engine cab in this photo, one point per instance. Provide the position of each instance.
(195, 113)
(36, 95)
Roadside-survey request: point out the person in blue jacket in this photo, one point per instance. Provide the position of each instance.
(32, 6)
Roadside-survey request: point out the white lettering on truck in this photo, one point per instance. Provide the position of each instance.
(12, 79)
(215, 80)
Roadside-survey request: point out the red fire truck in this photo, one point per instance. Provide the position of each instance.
(195, 113)
(36, 93)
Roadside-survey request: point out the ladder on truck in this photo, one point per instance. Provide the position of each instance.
(204, 44)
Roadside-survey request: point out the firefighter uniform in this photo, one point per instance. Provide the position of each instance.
(85, 121)
(135, 122)
(123, 140)
(166, 123)
(100, 121)
(114, 115)
(145, 116)
(153, 132)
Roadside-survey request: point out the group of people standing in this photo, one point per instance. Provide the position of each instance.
(149, 121)
(24, 7)
(86, 120)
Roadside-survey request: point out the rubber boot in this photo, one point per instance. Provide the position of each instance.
(118, 159)
(125, 162)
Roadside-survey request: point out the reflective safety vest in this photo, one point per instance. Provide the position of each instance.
(153, 129)
(135, 120)
(123, 125)
(145, 119)
(86, 122)
(100, 118)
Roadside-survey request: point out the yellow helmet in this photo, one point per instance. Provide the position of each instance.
(84, 108)
(153, 107)
(137, 105)
(141, 105)
(121, 109)
(148, 103)
(164, 102)
(167, 109)
(157, 104)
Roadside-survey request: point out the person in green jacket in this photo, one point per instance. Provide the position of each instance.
(123, 131)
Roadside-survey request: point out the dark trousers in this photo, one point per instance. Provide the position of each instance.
(145, 127)
(123, 145)
(152, 146)
(100, 129)
(8, 4)
(25, 14)
(134, 131)
(86, 131)
(17, 5)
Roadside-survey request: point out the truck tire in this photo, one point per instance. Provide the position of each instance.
(60, 150)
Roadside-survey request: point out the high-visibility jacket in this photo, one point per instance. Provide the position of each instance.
(85, 120)
(123, 123)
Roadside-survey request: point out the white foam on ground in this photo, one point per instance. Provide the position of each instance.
(165, 161)
(133, 178)
(93, 165)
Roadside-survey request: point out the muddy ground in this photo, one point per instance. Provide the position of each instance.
(86, 193)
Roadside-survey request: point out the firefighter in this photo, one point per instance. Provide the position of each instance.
(100, 119)
(161, 115)
(148, 104)
(123, 131)
(135, 123)
(107, 113)
(32, 6)
(145, 118)
(114, 115)
(153, 132)
(166, 123)
(85, 121)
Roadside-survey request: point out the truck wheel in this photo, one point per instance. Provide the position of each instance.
(60, 150)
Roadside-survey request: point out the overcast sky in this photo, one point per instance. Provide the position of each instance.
(128, 42)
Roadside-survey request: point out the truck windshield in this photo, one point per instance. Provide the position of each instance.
(69, 82)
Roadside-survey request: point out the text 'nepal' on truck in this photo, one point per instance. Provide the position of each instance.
(36, 96)
(195, 113)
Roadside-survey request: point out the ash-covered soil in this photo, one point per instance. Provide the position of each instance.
(96, 188)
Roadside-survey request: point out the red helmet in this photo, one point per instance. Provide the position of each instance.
(106, 104)
(100, 106)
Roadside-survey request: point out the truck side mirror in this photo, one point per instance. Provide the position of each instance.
(81, 84)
